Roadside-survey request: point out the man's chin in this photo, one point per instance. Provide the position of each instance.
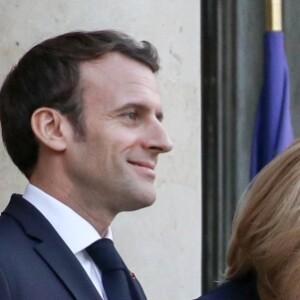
(142, 203)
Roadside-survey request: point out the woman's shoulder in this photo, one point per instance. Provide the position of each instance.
(242, 288)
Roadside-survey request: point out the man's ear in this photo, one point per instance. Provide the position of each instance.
(49, 127)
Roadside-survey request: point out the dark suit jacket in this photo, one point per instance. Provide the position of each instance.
(35, 263)
(238, 289)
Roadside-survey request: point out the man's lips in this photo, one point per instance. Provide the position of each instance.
(144, 164)
(148, 167)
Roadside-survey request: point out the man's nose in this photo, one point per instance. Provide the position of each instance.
(158, 138)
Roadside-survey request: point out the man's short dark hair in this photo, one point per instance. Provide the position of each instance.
(48, 76)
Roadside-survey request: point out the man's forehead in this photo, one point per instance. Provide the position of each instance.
(116, 67)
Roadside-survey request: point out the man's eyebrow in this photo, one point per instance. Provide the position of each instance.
(140, 107)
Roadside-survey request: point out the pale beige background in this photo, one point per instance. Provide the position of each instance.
(161, 244)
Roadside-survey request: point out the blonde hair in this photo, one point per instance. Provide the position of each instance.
(266, 230)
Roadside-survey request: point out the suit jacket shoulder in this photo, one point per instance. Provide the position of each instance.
(238, 289)
(35, 263)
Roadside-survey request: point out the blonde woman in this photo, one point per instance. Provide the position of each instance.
(263, 260)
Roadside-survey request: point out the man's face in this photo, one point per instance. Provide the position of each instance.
(114, 165)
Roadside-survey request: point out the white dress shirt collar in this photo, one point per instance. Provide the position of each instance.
(73, 229)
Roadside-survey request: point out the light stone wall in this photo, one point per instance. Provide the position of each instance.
(161, 244)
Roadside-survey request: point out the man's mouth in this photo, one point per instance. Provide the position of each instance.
(146, 167)
(144, 164)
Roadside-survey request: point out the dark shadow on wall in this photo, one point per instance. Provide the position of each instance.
(232, 41)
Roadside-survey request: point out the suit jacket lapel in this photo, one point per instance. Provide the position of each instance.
(52, 249)
(69, 270)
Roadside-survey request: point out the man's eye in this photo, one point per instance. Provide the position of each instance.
(131, 115)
